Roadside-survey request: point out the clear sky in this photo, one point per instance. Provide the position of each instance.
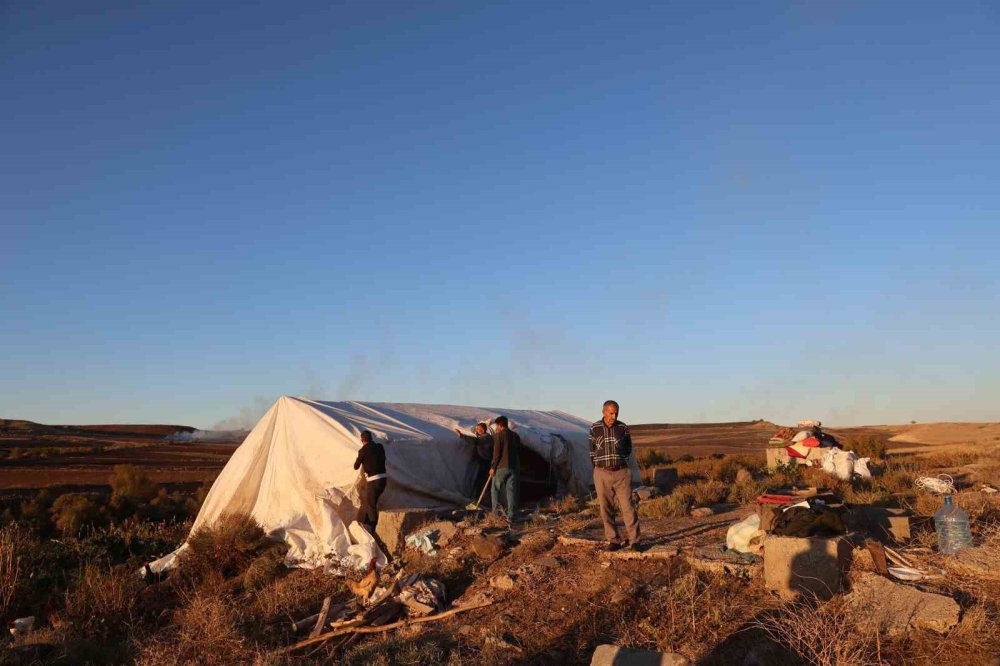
(708, 211)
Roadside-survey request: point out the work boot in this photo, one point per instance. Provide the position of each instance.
(612, 546)
(635, 547)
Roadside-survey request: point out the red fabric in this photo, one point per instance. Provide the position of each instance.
(792, 453)
(775, 499)
(811, 442)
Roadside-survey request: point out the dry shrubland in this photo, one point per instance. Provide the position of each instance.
(231, 601)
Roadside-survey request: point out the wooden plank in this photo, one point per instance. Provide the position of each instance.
(324, 613)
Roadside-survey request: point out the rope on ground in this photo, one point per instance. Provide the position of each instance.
(941, 484)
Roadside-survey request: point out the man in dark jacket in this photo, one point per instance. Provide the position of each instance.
(505, 467)
(610, 448)
(371, 458)
(482, 444)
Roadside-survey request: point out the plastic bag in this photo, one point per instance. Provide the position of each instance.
(744, 536)
(861, 468)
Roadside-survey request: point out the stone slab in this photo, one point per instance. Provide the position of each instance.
(796, 567)
(658, 552)
(899, 607)
(394, 525)
(612, 655)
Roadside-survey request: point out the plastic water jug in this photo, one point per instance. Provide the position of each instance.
(952, 526)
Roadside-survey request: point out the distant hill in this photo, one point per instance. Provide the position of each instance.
(20, 427)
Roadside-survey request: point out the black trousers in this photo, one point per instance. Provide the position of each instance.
(368, 513)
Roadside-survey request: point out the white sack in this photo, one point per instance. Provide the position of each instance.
(740, 535)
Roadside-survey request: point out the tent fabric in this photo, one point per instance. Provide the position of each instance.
(294, 471)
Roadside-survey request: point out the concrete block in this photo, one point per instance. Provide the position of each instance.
(767, 514)
(612, 655)
(394, 525)
(885, 524)
(795, 566)
(665, 478)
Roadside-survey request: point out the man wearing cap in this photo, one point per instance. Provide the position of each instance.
(505, 467)
(371, 458)
(610, 448)
(482, 444)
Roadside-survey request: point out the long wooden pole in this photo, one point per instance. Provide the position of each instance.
(385, 627)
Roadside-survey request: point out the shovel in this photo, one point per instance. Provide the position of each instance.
(479, 501)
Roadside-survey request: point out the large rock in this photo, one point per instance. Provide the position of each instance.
(445, 529)
(898, 607)
(612, 655)
(487, 547)
(665, 478)
(394, 525)
(795, 567)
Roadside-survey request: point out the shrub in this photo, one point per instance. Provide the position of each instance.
(651, 458)
(132, 483)
(35, 513)
(674, 505)
(707, 493)
(10, 568)
(223, 550)
(746, 492)
(207, 632)
(74, 511)
(104, 602)
(827, 634)
(869, 446)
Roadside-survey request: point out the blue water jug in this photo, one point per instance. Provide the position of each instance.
(952, 526)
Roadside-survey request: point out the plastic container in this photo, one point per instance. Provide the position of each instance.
(952, 526)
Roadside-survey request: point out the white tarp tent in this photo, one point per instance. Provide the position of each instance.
(294, 471)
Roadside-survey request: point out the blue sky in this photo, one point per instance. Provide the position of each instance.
(706, 211)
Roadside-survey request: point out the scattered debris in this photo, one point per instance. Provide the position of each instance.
(655, 552)
(702, 512)
(899, 607)
(712, 559)
(372, 628)
(578, 540)
(746, 535)
(423, 541)
(22, 625)
(646, 492)
(423, 595)
(321, 618)
(612, 655)
(487, 547)
(502, 582)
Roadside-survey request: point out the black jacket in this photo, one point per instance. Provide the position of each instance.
(372, 458)
(483, 445)
(506, 450)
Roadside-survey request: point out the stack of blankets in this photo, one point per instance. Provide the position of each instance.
(806, 443)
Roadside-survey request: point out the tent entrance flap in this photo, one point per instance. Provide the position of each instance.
(538, 478)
